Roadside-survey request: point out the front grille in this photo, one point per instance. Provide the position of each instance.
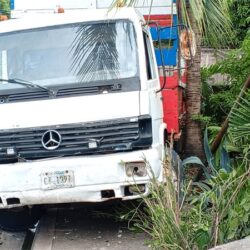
(108, 136)
(31, 95)
(25, 96)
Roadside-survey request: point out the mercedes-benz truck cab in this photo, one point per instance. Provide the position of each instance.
(81, 114)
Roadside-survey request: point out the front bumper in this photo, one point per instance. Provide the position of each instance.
(20, 183)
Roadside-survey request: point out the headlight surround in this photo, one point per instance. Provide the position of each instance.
(145, 132)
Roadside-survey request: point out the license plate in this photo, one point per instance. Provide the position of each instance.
(58, 179)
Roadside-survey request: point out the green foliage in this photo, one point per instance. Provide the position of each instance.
(217, 100)
(159, 215)
(239, 124)
(5, 7)
(161, 219)
(222, 200)
(214, 211)
(204, 120)
(240, 16)
(212, 19)
(227, 200)
(227, 193)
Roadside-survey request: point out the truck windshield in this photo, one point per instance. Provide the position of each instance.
(82, 52)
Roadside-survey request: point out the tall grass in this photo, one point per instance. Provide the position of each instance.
(210, 212)
(159, 215)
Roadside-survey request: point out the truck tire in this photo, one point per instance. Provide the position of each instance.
(20, 218)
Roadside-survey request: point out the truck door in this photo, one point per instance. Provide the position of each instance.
(152, 82)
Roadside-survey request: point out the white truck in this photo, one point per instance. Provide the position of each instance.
(80, 108)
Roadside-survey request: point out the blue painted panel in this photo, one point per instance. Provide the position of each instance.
(169, 54)
(166, 33)
(175, 19)
(12, 4)
(169, 57)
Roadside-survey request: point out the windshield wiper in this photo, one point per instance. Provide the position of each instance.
(29, 84)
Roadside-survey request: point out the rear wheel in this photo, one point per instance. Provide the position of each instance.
(20, 218)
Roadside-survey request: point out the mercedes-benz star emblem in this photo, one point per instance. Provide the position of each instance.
(51, 140)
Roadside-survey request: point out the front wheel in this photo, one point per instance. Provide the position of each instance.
(19, 218)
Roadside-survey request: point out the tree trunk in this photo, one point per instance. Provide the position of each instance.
(193, 144)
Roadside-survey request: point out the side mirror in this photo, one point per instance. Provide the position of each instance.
(187, 44)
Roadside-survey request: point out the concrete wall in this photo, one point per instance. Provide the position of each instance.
(243, 244)
(210, 57)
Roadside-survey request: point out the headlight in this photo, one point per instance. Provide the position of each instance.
(137, 168)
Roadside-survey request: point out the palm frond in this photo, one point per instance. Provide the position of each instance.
(94, 50)
(212, 18)
(239, 122)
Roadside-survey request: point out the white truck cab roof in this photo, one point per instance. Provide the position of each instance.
(38, 20)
